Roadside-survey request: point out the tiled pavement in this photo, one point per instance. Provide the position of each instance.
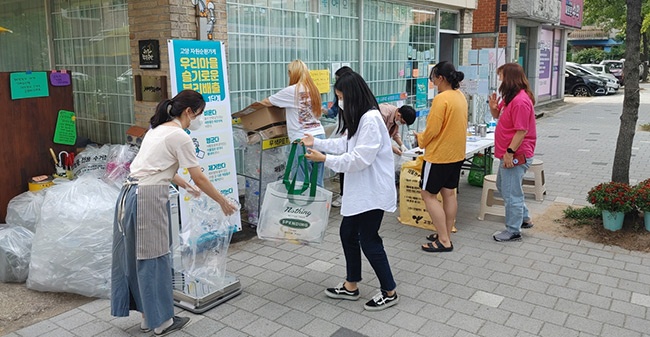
(541, 286)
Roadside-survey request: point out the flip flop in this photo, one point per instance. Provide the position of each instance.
(432, 237)
(438, 248)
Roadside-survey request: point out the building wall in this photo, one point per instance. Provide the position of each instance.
(173, 19)
(484, 22)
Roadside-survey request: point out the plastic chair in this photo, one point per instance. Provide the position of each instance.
(489, 203)
(537, 184)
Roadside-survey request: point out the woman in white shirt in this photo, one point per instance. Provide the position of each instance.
(142, 267)
(366, 157)
(302, 104)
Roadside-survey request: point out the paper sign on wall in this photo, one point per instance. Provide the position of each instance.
(66, 128)
(321, 79)
(61, 79)
(28, 85)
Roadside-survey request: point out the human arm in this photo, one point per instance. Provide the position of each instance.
(332, 145)
(191, 189)
(516, 141)
(368, 144)
(266, 102)
(493, 102)
(202, 181)
(434, 122)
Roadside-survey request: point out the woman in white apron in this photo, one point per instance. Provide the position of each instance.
(142, 266)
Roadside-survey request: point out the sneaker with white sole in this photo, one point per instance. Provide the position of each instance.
(342, 293)
(336, 202)
(381, 301)
(506, 236)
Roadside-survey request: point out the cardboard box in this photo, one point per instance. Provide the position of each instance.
(268, 133)
(257, 116)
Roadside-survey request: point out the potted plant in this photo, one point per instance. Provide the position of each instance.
(642, 201)
(614, 199)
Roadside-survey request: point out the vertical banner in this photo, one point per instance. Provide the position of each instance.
(201, 66)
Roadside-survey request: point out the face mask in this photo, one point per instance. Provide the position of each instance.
(341, 104)
(196, 123)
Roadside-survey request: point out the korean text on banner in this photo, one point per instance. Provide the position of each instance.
(200, 66)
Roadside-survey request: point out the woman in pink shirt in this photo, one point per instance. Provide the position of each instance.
(514, 145)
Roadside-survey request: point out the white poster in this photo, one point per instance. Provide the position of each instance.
(201, 66)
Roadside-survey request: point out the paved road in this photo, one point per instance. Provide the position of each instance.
(542, 286)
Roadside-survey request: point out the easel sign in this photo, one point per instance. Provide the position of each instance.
(66, 128)
(28, 85)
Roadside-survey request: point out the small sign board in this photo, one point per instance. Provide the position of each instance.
(28, 85)
(66, 128)
(60, 79)
(321, 79)
(149, 54)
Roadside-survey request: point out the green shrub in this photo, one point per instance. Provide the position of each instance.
(584, 215)
(589, 55)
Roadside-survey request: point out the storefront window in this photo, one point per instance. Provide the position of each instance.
(91, 39)
(264, 37)
(399, 44)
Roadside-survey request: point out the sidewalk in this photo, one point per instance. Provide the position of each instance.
(541, 286)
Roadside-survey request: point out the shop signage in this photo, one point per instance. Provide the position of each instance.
(150, 88)
(571, 13)
(149, 54)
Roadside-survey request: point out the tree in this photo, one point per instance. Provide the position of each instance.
(589, 55)
(631, 100)
(611, 14)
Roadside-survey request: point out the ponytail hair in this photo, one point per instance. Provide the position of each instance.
(173, 108)
(448, 72)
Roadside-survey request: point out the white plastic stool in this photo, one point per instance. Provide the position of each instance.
(536, 184)
(489, 203)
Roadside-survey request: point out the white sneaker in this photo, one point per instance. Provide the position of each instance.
(336, 202)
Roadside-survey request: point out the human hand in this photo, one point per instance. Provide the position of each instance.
(314, 155)
(396, 150)
(227, 207)
(507, 160)
(493, 101)
(307, 140)
(403, 148)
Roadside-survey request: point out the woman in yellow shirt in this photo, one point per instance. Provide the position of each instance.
(443, 141)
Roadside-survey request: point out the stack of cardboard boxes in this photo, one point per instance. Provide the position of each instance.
(262, 122)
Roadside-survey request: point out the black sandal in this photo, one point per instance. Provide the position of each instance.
(432, 237)
(438, 248)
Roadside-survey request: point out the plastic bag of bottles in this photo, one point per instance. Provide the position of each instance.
(204, 241)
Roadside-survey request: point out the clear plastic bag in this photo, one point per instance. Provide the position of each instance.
(72, 250)
(91, 161)
(118, 164)
(204, 241)
(24, 209)
(15, 251)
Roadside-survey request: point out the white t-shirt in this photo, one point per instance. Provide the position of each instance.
(300, 119)
(367, 161)
(163, 150)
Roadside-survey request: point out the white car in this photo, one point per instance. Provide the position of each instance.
(611, 84)
(600, 68)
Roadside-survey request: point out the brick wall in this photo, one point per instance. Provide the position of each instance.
(163, 20)
(484, 20)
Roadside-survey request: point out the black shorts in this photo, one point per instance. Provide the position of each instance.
(436, 176)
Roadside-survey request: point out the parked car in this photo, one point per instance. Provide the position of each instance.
(614, 67)
(579, 83)
(611, 83)
(600, 69)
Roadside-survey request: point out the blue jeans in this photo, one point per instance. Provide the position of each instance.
(361, 231)
(509, 184)
(300, 176)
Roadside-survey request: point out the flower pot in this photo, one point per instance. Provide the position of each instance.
(646, 220)
(613, 221)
